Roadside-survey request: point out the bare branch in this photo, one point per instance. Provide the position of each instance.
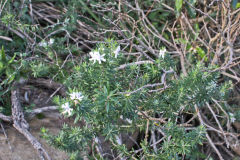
(21, 124)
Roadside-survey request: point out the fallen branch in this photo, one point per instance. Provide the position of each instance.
(5, 118)
(21, 124)
(40, 110)
(46, 83)
(31, 114)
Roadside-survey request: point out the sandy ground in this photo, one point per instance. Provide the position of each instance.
(20, 149)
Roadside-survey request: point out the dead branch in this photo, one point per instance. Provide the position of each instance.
(21, 124)
(31, 114)
(41, 110)
(207, 135)
(5, 118)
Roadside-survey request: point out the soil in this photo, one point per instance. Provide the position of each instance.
(16, 147)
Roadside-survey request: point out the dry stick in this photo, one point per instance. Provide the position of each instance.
(43, 17)
(182, 54)
(139, 49)
(30, 114)
(134, 63)
(190, 27)
(163, 82)
(5, 118)
(179, 52)
(146, 132)
(146, 47)
(154, 141)
(2, 6)
(130, 41)
(187, 123)
(200, 11)
(200, 19)
(230, 66)
(19, 33)
(155, 30)
(229, 128)
(10, 147)
(53, 94)
(21, 124)
(183, 64)
(145, 116)
(227, 150)
(228, 121)
(235, 12)
(145, 30)
(231, 76)
(6, 38)
(230, 45)
(42, 109)
(227, 32)
(18, 117)
(136, 151)
(31, 9)
(231, 70)
(98, 146)
(145, 86)
(219, 125)
(149, 48)
(210, 128)
(208, 137)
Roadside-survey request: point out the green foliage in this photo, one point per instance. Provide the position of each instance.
(197, 88)
(189, 6)
(236, 115)
(178, 6)
(110, 93)
(116, 88)
(39, 69)
(181, 142)
(190, 9)
(70, 139)
(7, 66)
(10, 70)
(235, 4)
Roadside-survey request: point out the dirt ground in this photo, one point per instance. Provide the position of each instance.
(18, 148)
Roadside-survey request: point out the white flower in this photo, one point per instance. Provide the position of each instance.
(162, 52)
(76, 96)
(127, 119)
(51, 41)
(96, 140)
(66, 108)
(96, 56)
(119, 140)
(232, 118)
(116, 52)
(45, 44)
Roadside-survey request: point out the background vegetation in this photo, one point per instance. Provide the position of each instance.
(174, 83)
